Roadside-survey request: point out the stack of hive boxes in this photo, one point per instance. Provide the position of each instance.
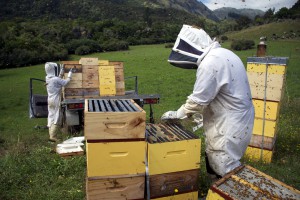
(93, 78)
(267, 79)
(173, 161)
(115, 149)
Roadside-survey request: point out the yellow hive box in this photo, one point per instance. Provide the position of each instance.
(246, 182)
(269, 127)
(174, 150)
(267, 77)
(271, 109)
(113, 119)
(257, 154)
(115, 158)
(103, 62)
(107, 81)
(185, 196)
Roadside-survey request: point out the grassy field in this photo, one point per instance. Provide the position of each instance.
(30, 169)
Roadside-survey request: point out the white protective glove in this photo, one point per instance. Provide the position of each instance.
(62, 71)
(179, 114)
(70, 73)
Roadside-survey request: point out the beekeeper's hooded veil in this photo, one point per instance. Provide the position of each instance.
(191, 46)
(54, 87)
(221, 92)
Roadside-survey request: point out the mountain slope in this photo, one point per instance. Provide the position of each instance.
(98, 9)
(224, 13)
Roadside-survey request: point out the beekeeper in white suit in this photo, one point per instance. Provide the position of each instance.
(221, 93)
(54, 86)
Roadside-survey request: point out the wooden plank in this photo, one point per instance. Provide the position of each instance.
(72, 92)
(88, 61)
(120, 88)
(76, 81)
(270, 127)
(271, 109)
(115, 158)
(264, 142)
(164, 157)
(115, 188)
(167, 184)
(91, 92)
(90, 84)
(72, 62)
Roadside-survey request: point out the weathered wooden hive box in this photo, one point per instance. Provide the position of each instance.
(94, 78)
(248, 183)
(113, 119)
(266, 77)
(173, 161)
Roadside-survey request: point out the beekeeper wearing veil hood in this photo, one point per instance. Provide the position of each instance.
(221, 93)
(54, 86)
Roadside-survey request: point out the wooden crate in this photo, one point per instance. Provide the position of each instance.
(270, 108)
(73, 93)
(113, 119)
(77, 68)
(185, 196)
(264, 142)
(115, 158)
(89, 61)
(167, 145)
(76, 81)
(115, 187)
(90, 72)
(269, 130)
(119, 76)
(91, 84)
(162, 185)
(91, 92)
(246, 182)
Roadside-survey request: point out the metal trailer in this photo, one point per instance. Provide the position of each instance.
(73, 109)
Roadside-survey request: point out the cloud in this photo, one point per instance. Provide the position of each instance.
(253, 4)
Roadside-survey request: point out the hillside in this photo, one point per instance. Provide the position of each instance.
(100, 10)
(232, 13)
(277, 30)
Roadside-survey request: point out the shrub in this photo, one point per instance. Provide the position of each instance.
(239, 45)
(82, 50)
(93, 45)
(224, 38)
(115, 45)
(169, 45)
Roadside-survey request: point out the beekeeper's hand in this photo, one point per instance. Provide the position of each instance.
(70, 73)
(62, 71)
(179, 114)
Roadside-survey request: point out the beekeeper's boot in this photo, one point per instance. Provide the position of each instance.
(53, 132)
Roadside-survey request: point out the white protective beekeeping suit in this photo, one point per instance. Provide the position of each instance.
(222, 93)
(54, 87)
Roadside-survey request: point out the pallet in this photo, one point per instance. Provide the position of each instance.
(115, 187)
(246, 182)
(113, 119)
(168, 144)
(115, 158)
(170, 184)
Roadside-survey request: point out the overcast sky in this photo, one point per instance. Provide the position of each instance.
(254, 4)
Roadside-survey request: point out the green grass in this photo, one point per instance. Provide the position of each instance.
(30, 169)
